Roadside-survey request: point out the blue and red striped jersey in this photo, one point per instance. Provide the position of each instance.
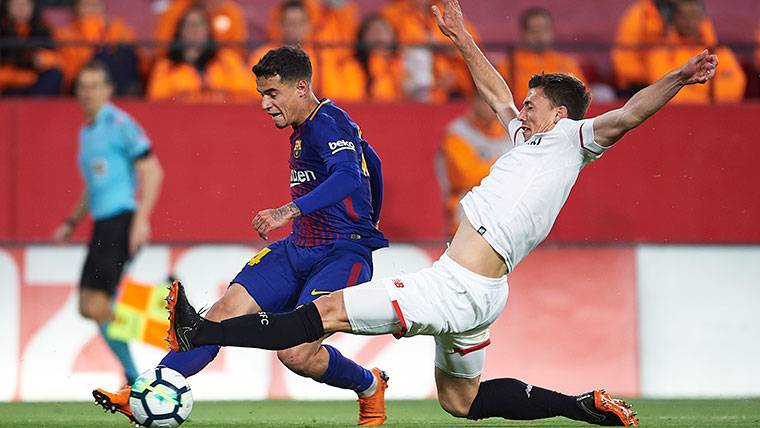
(335, 180)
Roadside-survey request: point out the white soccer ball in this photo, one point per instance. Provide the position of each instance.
(161, 398)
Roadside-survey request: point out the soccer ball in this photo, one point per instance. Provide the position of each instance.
(161, 398)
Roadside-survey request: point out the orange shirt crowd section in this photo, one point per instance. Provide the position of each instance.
(727, 86)
(414, 26)
(470, 147)
(11, 75)
(224, 79)
(524, 63)
(640, 29)
(90, 29)
(646, 49)
(228, 23)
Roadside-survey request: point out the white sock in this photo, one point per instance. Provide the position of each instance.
(371, 390)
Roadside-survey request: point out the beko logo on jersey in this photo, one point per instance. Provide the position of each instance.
(336, 146)
(299, 177)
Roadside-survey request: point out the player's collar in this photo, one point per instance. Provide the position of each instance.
(313, 113)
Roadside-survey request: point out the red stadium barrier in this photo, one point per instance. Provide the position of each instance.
(685, 176)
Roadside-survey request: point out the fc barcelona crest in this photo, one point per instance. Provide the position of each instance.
(297, 149)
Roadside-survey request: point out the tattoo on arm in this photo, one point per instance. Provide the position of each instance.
(289, 210)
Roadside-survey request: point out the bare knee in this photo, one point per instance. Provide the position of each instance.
(221, 310)
(235, 302)
(95, 306)
(455, 406)
(298, 360)
(455, 394)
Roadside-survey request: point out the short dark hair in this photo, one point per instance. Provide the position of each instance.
(289, 62)
(563, 90)
(532, 12)
(97, 65)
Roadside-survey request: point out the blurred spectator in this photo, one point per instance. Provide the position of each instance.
(643, 25)
(228, 21)
(472, 144)
(535, 54)
(433, 75)
(331, 65)
(94, 35)
(295, 27)
(194, 69)
(382, 70)
(376, 72)
(333, 22)
(27, 70)
(686, 40)
(326, 30)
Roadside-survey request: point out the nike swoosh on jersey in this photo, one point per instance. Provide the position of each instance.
(317, 293)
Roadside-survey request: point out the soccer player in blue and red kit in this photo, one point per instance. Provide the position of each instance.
(336, 190)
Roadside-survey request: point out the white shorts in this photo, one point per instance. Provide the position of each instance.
(446, 301)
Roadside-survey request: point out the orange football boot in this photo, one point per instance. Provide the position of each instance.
(115, 402)
(613, 411)
(372, 408)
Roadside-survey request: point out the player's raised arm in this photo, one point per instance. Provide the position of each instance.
(611, 126)
(488, 81)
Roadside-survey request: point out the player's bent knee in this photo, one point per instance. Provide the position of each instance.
(235, 302)
(220, 311)
(296, 359)
(92, 310)
(454, 406)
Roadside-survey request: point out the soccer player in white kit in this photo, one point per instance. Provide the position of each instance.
(507, 215)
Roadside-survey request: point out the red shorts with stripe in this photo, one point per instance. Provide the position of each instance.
(446, 301)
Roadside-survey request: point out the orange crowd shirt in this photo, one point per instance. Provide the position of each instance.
(526, 63)
(413, 26)
(90, 29)
(642, 25)
(12, 75)
(225, 79)
(336, 77)
(382, 82)
(228, 23)
(329, 25)
(469, 149)
(727, 86)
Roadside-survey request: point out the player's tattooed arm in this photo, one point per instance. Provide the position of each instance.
(266, 221)
(287, 211)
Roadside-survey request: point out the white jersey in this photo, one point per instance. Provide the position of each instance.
(516, 204)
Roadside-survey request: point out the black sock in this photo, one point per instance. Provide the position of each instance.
(264, 330)
(513, 399)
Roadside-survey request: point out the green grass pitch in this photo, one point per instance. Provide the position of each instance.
(653, 413)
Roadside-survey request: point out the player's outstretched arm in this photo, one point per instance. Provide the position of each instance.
(488, 81)
(611, 126)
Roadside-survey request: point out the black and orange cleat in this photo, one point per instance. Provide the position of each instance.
(372, 408)
(184, 321)
(115, 402)
(602, 409)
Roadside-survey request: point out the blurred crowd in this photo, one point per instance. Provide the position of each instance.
(201, 51)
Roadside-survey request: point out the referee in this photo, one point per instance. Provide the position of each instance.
(114, 155)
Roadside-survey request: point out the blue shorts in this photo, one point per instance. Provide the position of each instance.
(283, 275)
